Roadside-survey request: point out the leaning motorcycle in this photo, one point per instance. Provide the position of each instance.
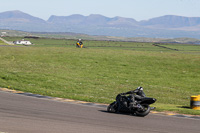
(142, 107)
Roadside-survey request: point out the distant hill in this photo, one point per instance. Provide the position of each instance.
(18, 20)
(94, 20)
(169, 26)
(19, 16)
(171, 21)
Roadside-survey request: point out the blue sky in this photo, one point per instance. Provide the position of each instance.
(137, 9)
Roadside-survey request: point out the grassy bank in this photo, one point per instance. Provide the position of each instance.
(98, 74)
(2, 43)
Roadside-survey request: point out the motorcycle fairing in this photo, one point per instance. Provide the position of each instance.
(147, 100)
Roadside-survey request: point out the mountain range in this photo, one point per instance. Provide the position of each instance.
(168, 26)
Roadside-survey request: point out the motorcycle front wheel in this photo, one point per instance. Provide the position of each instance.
(145, 110)
(112, 108)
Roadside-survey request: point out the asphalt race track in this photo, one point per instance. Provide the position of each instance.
(27, 114)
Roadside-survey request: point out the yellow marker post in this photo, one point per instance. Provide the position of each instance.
(195, 102)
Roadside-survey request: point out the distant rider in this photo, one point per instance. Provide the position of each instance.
(79, 43)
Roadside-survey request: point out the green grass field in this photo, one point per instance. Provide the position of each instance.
(55, 67)
(2, 43)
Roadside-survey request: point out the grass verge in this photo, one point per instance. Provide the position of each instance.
(98, 75)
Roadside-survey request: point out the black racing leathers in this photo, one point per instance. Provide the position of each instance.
(134, 95)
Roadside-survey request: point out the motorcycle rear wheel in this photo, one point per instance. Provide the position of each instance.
(112, 108)
(144, 111)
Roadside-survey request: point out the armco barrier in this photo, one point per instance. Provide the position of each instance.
(195, 102)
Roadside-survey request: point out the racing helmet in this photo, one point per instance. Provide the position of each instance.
(140, 88)
(140, 92)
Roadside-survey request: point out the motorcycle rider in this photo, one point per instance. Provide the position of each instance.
(136, 94)
(79, 43)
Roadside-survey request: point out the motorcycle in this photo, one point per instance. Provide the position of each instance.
(79, 45)
(142, 107)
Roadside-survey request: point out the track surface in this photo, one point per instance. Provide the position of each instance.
(25, 114)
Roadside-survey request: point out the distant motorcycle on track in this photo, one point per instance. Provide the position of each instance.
(134, 102)
(79, 44)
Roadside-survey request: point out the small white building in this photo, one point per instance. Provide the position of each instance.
(3, 34)
(23, 42)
